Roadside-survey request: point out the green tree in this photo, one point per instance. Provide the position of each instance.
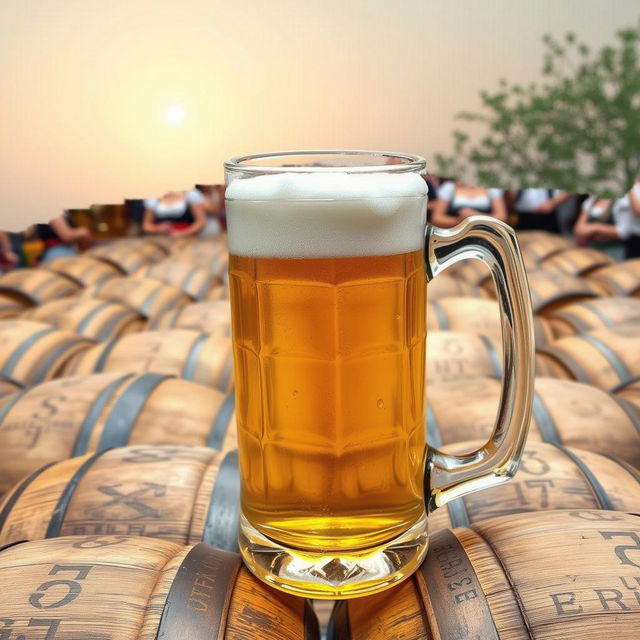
(578, 129)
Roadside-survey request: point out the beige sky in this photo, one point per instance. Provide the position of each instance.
(85, 84)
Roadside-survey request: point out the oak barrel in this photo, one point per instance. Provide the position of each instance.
(537, 249)
(578, 261)
(10, 307)
(551, 290)
(98, 320)
(594, 314)
(550, 576)
(453, 355)
(213, 317)
(128, 255)
(446, 286)
(147, 296)
(181, 494)
(133, 588)
(36, 286)
(474, 315)
(73, 416)
(211, 254)
(550, 477)
(32, 352)
(564, 412)
(9, 386)
(622, 279)
(84, 269)
(630, 392)
(472, 271)
(191, 355)
(196, 282)
(605, 358)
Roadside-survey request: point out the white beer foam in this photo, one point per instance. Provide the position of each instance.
(333, 214)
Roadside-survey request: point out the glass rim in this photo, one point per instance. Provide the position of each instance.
(408, 162)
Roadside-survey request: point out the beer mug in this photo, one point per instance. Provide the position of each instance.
(330, 256)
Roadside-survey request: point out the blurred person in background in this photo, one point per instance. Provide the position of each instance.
(176, 213)
(458, 200)
(214, 208)
(611, 224)
(8, 257)
(537, 208)
(60, 238)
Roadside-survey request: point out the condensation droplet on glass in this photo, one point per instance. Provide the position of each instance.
(380, 403)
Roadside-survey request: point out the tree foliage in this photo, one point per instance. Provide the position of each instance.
(578, 129)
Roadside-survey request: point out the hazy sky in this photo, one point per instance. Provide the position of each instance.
(85, 84)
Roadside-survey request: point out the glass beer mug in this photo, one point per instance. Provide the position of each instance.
(330, 256)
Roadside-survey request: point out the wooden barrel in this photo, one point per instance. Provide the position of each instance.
(10, 307)
(73, 416)
(36, 286)
(211, 254)
(548, 576)
(98, 320)
(453, 355)
(190, 355)
(128, 255)
(445, 286)
(564, 412)
(9, 386)
(578, 261)
(526, 236)
(622, 279)
(594, 314)
(212, 317)
(550, 477)
(85, 270)
(196, 282)
(551, 291)
(147, 296)
(543, 247)
(474, 315)
(181, 494)
(629, 392)
(32, 352)
(133, 588)
(472, 271)
(605, 358)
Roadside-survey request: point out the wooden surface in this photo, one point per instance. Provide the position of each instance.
(84, 269)
(594, 314)
(606, 357)
(541, 247)
(551, 576)
(551, 291)
(177, 493)
(622, 279)
(191, 355)
(128, 255)
(11, 307)
(97, 320)
(550, 477)
(564, 412)
(74, 416)
(32, 352)
(116, 587)
(196, 282)
(578, 261)
(446, 286)
(36, 286)
(147, 296)
(454, 355)
(213, 317)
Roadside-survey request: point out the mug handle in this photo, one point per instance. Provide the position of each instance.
(493, 242)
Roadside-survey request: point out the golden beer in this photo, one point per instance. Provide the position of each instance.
(329, 356)
(329, 258)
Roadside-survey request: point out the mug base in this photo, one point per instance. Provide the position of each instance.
(321, 575)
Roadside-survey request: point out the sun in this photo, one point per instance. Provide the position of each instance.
(175, 114)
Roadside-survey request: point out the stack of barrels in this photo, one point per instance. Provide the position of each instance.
(119, 482)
